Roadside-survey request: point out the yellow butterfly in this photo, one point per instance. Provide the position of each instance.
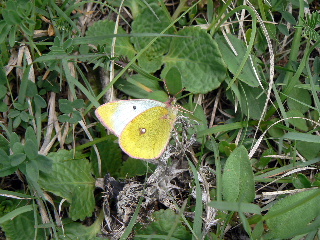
(142, 125)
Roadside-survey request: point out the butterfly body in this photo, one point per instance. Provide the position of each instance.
(142, 125)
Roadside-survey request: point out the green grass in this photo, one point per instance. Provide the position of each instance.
(245, 149)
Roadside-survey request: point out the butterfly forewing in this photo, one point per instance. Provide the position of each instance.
(116, 115)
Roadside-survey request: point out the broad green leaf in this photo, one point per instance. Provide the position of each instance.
(288, 17)
(31, 149)
(71, 179)
(301, 181)
(137, 86)
(198, 59)
(3, 91)
(298, 120)
(135, 167)
(251, 95)
(3, 107)
(164, 221)
(39, 101)
(298, 97)
(153, 19)
(65, 106)
(78, 103)
(44, 163)
(307, 149)
(31, 89)
(234, 59)
(6, 29)
(75, 117)
(16, 122)
(31, 135)
(4, 144)
(106, 27)
(32, 170)
(21, 225)
(173, 81)
(4, 158)
(294, 215)
(6, 171)
(17, 158)
(75, 230)
(283, 29)
(11, 17)
(237, 178)
(17, 148)
(64, 118)
(24, 116)
(111, 157)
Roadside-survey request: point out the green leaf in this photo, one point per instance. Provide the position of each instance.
(173, 81)
(106, 27)
(21, 106)
(44, 163)
(31, 89)
(289, 18)
(152, 19)
(30, 134)
(3, 107)
(11, 17)
(78, 103)
(17, 148)
(283, 29)
(71, 179)
(24, 116)
(65, 106)
(3, 91)
(4, 158)
(4, 144)
(14, 113)
(75, 230)
(135, 167)
(294, 215)
(15, 194)
(17, 158)
(7, 171)
(39, 101)
(32, 170)
(64, 118)
(6, 29)
(137, 86)
(307, 137)
(307, 149)
(75, 117)
(233, 60)
(31, 149)
(198, 60)
(251, 95)
(298, 120)
(165, 221)
(301, 181)
(237, 178)
(15, 213)
(111, 156)
(21, 221)
(299, 99)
